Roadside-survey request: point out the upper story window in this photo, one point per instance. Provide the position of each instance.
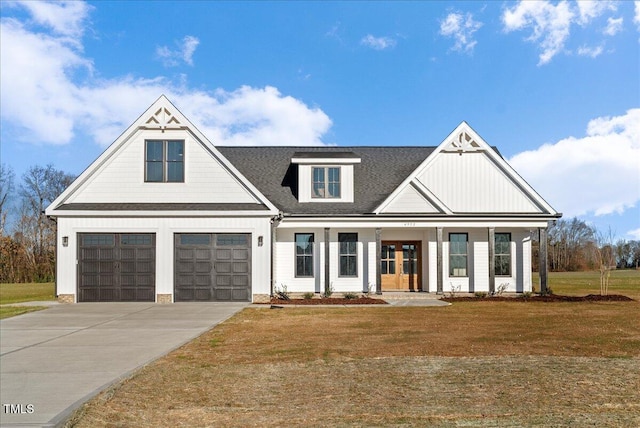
(164, 161)
(325, 176)
(326, 182)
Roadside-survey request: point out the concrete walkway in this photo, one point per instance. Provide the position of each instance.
(54, 360)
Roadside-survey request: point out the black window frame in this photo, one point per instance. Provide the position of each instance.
(305, 257)
(166, 163)
(345, 253)
(464, 255)
(499, 254)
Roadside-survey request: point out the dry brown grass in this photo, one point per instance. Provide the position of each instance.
(489, 364)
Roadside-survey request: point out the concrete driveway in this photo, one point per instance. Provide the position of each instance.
(54, 360)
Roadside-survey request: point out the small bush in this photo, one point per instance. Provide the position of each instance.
(329, 291)
(480, 294)
(307, 296)
(350, 296)
(527, 295)
(282, 292)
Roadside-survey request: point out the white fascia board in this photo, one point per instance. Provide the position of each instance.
(325, 161)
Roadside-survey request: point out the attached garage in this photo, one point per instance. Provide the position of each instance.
(116, 267)
(212, 267)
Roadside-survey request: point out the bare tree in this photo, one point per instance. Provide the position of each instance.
(41, 185)
(6, 190)
(605, 256)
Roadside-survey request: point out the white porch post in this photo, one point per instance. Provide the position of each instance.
(440, 273)
(327, 277)
(378, 260)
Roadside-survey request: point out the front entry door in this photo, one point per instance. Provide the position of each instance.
(400, 266)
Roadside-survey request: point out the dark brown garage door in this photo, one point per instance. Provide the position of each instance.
(213, 267)
(116, 267)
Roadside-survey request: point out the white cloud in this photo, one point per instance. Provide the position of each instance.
(66, 18)
(184, 52)
(635, 233)
(51, 103)
(614, 26)
(636, 17)
(378, 43)
(461, 28)
(591, 52)
(550, 24)
(598, 173)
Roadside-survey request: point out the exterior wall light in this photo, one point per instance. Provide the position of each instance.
(260, 241)
(65, 241)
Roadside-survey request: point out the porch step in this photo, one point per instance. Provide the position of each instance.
(407, 295)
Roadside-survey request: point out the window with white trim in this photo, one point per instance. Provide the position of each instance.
(502, 255)
(304, 255)
(458, 256)
(325, 182)
(348, 254)
(164, 161)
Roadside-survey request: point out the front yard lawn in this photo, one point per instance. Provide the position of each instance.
(470, 364)
(27, 292)
(12, 311)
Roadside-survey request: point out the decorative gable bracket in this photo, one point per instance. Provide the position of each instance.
(463, 142)
(163, 119)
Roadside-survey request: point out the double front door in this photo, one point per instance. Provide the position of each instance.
(400, 265)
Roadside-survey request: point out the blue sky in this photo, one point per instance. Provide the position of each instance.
(554, 85)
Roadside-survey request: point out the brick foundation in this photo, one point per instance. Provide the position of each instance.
(164, 298)
(261, 298)
(66, 298)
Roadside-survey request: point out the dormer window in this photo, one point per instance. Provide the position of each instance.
(325, 175)
(326, 182)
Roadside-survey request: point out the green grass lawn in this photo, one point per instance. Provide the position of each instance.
(625, 282)
(28, 292)
(12, 311)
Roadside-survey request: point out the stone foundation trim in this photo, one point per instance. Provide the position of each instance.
(66, 298)
(261, 298)
(164, 298)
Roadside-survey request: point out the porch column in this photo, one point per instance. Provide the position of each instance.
(327, 280)
(542, 261)
(440, 277)
(492, 261)
(378, 260)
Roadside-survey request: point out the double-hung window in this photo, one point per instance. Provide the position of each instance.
(348, 254)
(164, 161)
(502, 255)
(304, 254)
(458, 254)
(326, 182)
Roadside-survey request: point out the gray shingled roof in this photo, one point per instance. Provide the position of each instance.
(381, 170)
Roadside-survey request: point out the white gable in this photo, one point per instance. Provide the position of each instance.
(409, 200)
(464, 175)
(118, 175)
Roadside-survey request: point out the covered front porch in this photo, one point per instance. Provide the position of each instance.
(407, 257)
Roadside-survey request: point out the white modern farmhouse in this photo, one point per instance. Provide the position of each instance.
(164, 215)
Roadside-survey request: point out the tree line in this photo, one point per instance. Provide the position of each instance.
(28, 237)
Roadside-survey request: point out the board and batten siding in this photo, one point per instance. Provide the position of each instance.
(121, 178)
(462, 183)
(285, 261)
(410, 201)
(164, 229)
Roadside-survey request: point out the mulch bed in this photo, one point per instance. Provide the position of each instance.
(549, 298)
(329, 301)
